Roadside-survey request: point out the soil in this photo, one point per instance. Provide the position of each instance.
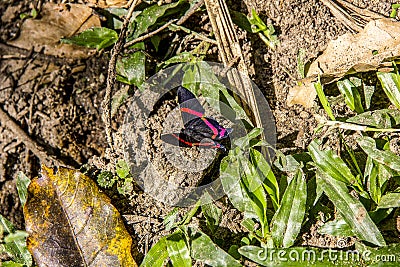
(57, 101)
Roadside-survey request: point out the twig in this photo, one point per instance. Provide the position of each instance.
(150, 34)
(111, 77)
(175, 27)
(190, 12)
(229, 49)
(30, 144)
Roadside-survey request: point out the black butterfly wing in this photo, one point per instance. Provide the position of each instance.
(206, 128)
(183, 140)
(190, 107)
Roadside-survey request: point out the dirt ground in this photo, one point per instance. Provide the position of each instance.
(57, 101)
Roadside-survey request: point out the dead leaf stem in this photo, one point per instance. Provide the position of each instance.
(150, 34)
(111, 77)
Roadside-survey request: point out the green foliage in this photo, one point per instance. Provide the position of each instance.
(254, 24)
(131, 68)
(287, 221)
(14, 244)
(391, 85)
(106, 179)
(324, 101)
(122, 177)
(22, 187)
(265, 32)
(98, 38)
(349, 89)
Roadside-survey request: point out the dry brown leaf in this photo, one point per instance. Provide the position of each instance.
(71, 223)
(108, 3)
(58, 20)
(350, 53)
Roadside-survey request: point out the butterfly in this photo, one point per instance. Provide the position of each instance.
(199, 130)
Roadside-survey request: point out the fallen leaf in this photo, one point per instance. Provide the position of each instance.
(57, 21)
(71, 223)
(371, 49)
(108, 3)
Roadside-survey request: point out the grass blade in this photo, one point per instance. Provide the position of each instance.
(390, 200)
(267, 176)
(324, 101)
(351, 95)
(177, 250)
(387, 158)
(203, 249)
(287, 221)
(351, 209)
(391, 85)
(230, 174)
(332, 165)
(22, 187)
(156, 255)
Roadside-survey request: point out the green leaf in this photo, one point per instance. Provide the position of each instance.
(382, 118)
(15, 243)
(156, 255)
(213, 215)
(267, 176)
(169, 220)
(178, 252)
(338, 227)
(122, 169)
(296, 257)
(371, 175)
(98, 38)
(391, 85)
(244, 142)
(254, 188)
(332, 165)
(351, 209)
(106, 179)
(257, 25)
(350, 92)
(390, 200)
(151, 14)
(286, 223)
(183, 57)
(387, 158)
(131, 69)
(18, 235)
(11, 264)
(230, 175)
(203, 249)
(22, 187)
(322, 98)
(155, 40)
(241, 20)
(189, 215)
(6, 225)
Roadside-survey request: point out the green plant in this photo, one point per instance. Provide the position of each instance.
(12, 241)
(123, 178)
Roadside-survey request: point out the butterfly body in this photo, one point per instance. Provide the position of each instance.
(199, 130)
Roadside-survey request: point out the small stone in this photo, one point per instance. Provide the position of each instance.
(304, 115)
